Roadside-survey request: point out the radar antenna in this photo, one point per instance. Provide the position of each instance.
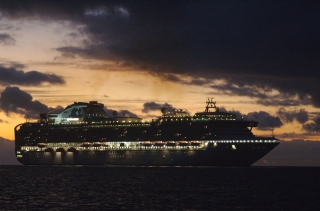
(211, 104)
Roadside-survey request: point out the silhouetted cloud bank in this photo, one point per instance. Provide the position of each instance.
(120, 113)
(265, 120)
(9, 76)
(153, 106)
(14, 100)
(261, 49)
(6, 39)
(314, 126)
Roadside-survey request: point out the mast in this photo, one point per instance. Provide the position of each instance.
(211, 104)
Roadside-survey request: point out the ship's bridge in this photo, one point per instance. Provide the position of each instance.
(177, 113)
(215, 115)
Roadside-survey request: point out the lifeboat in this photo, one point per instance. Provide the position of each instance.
(42, 145)
(171, 144)
(184, 143)
(147, 144)
(97, 144)
(86, 144)
(159, 144)
(195, 143)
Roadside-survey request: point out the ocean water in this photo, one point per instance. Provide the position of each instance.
(158, 188)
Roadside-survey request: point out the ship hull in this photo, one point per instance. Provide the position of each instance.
(83, 135)
(221, 154)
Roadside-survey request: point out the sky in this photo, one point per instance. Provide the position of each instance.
(257, 59)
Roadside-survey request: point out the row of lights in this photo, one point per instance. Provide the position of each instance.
(247, 141)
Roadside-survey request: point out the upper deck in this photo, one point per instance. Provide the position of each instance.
(94, 114)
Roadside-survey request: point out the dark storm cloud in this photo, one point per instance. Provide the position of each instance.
(289, 116)
(288, 92)
(248, 44)
(152, 106)
(9, 76)
(292, 91)
(14, 100)
(6, 39)
(234, 89)
(275, 101)
(266, 120)
(314, 126)
(177, 79)
(120, 113)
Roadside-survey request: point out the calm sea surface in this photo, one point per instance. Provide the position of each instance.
(159, 188)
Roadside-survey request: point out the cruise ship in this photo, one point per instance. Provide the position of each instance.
(83, 134)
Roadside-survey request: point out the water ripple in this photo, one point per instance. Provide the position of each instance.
(138, 188)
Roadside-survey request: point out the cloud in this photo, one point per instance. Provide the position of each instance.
(287, 135)
(3, 121)
(241, 90)
(313, 127)
(266, 121)
(127, 113)
(9, 76)
(120, 113)
(64, 56)
(152, 106)
(13, 65)
(238, 114)
(289, 116)
(239, 42)
(283, 101)
(6, 39)
(14, 100)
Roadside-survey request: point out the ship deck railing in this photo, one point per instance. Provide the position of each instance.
(115, 146)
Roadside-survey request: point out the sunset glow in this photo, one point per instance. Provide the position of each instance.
(125, 55)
